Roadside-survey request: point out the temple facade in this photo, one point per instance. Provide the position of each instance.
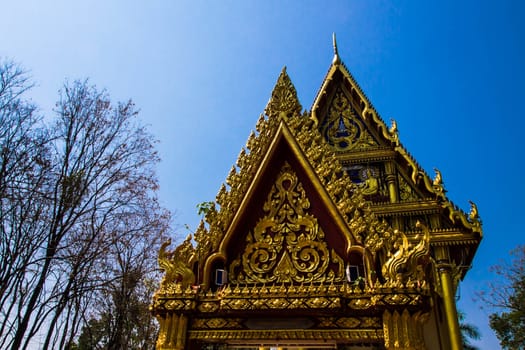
(326, 234)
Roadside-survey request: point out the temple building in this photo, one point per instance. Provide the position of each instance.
(326, 234)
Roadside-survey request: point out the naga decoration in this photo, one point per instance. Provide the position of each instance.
(473, 214)
(393, 130)
(437, 182)
(175, 264)
(406, 263)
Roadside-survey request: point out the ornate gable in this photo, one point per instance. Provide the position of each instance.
(284, 141)
(287, 244)
(376, 161)
(344, 115)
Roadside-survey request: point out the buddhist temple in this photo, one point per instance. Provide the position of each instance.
(326, 234)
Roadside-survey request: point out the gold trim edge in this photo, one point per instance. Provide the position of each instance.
(350, 335)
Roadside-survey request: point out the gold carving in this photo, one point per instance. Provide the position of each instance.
(206, 241)
(437, 182)
(405, 264)
(175, 304)
(321, 302)
(319, 154)
(397, 299)
(403, 330)
(327, 322)
(216, 323)
(393, 132)
(236, 302)
(370, 322)
(473, 214)
(284, 102)
(406, 193)
(287, 245)
(277, 303)
(175, 263)
(371, 185)
(172, 332)
(172, 303)
(208, 306)
(360, 304)
(348, 322)
(341, 127)
(472, 221)
(349, 335)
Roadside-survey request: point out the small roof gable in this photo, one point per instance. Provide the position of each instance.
(347, 120)
(340, 89)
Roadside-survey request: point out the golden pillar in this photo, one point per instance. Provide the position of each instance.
(403, 331)
(172, 333)
(390, 170)
(450, 306)
(449, 300)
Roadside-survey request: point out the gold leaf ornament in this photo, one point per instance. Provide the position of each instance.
(287, 245)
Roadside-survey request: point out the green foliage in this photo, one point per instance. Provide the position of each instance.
(510, 329)
(204, 208)
(509, 296)
(468, 332)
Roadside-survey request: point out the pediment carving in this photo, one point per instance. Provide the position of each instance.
(342, 128)
(287, 245)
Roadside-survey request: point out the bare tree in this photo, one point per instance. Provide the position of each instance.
(78, 208)
(24, 166)
(121, 319)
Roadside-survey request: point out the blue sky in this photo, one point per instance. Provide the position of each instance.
(450, 72)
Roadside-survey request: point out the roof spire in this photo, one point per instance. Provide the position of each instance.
(284, 101)
(336, 59)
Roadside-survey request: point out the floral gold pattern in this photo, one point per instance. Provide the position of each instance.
(284, 102)
(341, 128)
(287, 245)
